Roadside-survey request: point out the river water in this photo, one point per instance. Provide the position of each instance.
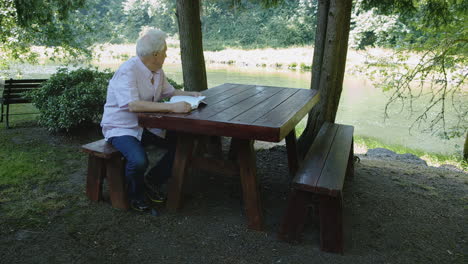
(361, 105)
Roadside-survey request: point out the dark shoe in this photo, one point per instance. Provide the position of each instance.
(139, 205)
(155, 194)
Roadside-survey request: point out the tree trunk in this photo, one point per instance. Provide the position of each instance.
(333, 22)
(191, 46)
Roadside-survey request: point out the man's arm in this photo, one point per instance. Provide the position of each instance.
(145, 106)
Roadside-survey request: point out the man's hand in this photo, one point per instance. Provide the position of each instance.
(181, 107)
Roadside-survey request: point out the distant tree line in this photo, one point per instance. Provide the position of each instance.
(75, 25)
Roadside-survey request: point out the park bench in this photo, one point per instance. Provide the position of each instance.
(104, 161)
(13, 93)
(319, 182)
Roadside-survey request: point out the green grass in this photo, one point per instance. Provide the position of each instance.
(34, 170)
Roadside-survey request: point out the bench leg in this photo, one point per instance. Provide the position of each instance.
(295, 216)
(115, 174)
(96, 172)
(6, 116)
(1, 116)
(331, 223)
(350, 167)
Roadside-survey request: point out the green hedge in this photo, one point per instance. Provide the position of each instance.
(72, 99)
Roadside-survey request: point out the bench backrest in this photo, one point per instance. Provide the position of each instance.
(324, 167)
(14, 89)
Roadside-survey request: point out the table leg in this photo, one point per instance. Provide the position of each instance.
(183, 156)
(253, 206)
(291, 146)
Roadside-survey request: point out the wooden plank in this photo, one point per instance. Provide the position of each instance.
(291, 111)
(308, 175)
(230, 113)
(219, 89)
(334, 170)
(100, 148)
(25, 81)
(208, 127)
(263, 108)
(218, 94)
(214, 108)
(22, 86)
(223, 93)
(252, 202)
(183, 156)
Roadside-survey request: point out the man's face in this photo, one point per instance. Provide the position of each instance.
(160, 56)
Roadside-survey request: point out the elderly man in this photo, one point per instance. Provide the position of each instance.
(138, 86)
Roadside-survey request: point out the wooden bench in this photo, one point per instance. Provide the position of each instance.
(104, 161)
(13, 94)
(319, 182)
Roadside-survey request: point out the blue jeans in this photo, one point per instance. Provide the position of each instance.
(137, 161)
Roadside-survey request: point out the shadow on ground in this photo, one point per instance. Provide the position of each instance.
(395, 212)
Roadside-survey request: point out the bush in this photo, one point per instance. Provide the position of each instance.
(72, 99)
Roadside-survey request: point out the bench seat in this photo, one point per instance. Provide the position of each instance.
(104, 161)
(319, 182)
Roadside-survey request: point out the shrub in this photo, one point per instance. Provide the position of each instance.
(70, 99)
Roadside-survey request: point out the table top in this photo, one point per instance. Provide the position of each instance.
(254, 112)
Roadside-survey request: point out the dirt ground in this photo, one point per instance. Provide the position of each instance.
(397, 210)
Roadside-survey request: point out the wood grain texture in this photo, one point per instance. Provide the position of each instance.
(295, 216)
(94, 178)
(183, 156)
(334, 170)
(309, 174)
(115, 174)
(100, 149)
(243, 111)
(331, 223)
(293, 158)
(252, 202)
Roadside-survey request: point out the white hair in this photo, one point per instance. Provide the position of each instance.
(151, 40)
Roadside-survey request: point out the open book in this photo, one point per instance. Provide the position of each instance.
(193, 101)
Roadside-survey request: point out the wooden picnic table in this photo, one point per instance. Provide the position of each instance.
(246, 113)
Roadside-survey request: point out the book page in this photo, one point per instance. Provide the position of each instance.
(193, 101)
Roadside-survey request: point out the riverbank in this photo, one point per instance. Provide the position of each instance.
(294, 58)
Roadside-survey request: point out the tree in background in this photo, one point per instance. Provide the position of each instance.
(56, 23)
(436, 33)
